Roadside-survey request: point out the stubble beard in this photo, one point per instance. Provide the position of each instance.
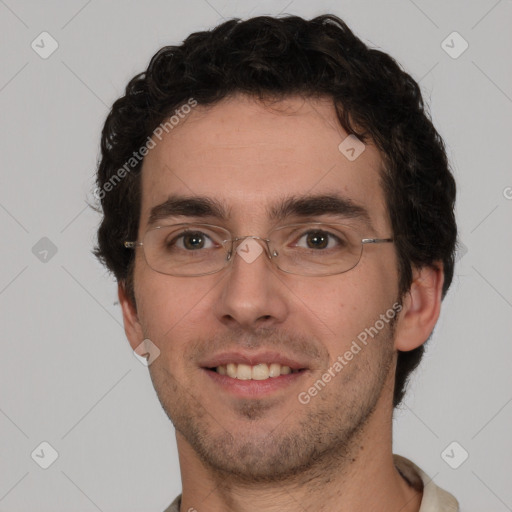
(315, 436)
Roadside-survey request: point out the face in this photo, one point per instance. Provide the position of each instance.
(249, 160)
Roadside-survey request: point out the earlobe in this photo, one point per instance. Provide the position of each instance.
(421, 308)
(132, 326)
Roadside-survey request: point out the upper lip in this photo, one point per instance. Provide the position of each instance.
(252, 359)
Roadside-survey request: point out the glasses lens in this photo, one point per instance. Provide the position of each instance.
(316, 249)
(186, 249)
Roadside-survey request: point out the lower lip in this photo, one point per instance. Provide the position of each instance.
(254, 388)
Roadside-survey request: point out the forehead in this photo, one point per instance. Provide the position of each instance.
(248, 156)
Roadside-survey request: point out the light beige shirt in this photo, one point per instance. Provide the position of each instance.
(434, 498)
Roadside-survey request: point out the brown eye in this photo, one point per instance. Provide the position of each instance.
(317, 240)
(192, 241)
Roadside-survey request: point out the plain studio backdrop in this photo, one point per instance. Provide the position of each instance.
(68, 378)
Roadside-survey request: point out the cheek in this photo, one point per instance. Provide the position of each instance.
(171, 308)
(339, 308)
(326, 308)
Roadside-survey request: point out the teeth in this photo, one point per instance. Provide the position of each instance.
(231, 370)
(275, 370)
(244, 372)
(260, 371)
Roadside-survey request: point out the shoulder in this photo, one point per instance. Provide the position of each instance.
(434, 498)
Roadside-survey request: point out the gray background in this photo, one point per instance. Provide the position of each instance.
(67, 374)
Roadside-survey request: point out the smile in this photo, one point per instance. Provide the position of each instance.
(261, 371)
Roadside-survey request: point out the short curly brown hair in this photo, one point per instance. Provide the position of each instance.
(269, 57)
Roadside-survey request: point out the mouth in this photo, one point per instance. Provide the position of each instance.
(251, 375)
(260, 371)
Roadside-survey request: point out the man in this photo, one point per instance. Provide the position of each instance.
(279, 215)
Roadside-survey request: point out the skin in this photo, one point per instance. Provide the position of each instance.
(273, 453)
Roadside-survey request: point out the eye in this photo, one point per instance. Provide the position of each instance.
(192, 241)
(318, 239)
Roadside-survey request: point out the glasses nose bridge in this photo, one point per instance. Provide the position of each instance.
(265, 242)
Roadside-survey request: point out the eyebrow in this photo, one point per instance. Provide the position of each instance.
(311, 206)
(179, 206)
(295, 206)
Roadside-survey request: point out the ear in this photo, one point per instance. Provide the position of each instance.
(132, 327)
(420, 308)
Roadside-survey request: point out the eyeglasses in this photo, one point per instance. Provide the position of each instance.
(307, 249)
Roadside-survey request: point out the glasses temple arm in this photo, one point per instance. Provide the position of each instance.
(376, 240)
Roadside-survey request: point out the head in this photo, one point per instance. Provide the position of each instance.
(248, 117)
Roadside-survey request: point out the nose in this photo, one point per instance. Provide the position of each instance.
(252, 295)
